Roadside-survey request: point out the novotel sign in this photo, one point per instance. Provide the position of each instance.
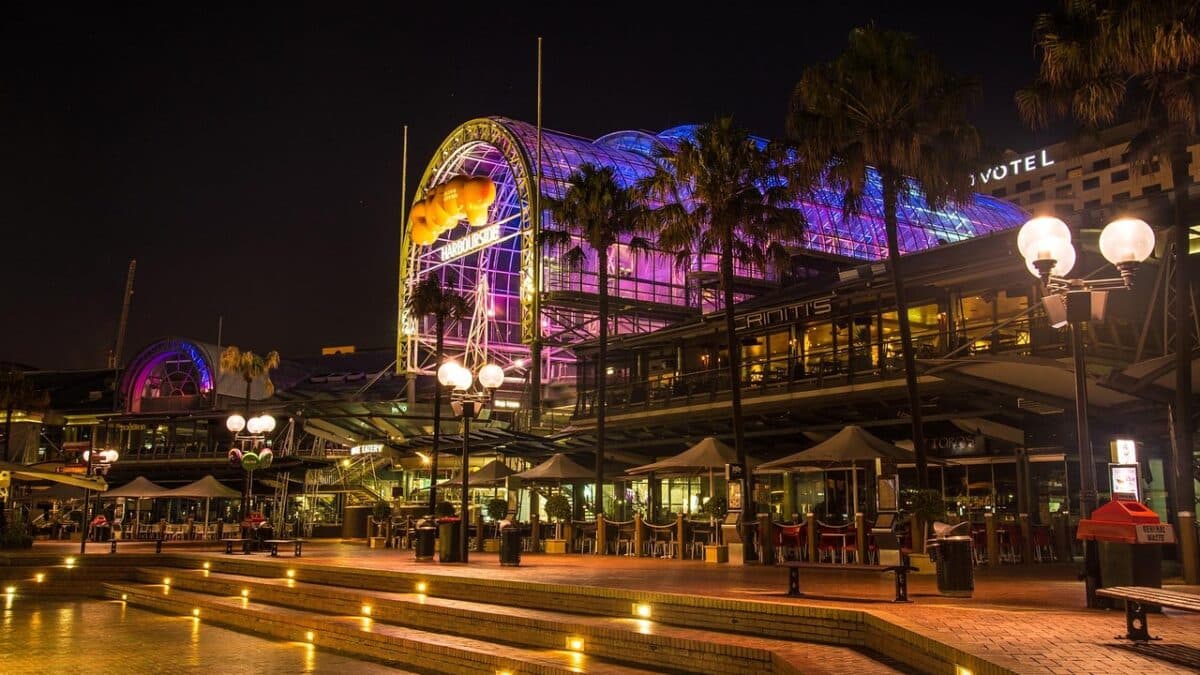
(481, 238)
(1030, 162)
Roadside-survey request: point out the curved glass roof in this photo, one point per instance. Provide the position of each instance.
(830, 231)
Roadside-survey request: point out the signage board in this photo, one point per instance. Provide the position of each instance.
(1124, 451)
(473, 241)
(1031, 162)
(1154, 534)
(1125, 482)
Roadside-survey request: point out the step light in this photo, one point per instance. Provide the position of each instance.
(9, 590)
(641, 610)
(291, 574)
(196, 612)
(245, 592)
(575, 644)
(124, 597)
(166, 581)
(70, 562)
(366, 610)
(422, 587)
(309, 636)
(39, 577)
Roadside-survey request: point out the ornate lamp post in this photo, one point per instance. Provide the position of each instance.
(467, 405)
(251, 436)
(1045, 243)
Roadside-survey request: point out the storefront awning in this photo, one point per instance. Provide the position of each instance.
(1048, 380)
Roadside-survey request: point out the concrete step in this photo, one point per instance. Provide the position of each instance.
(361, 636)
(630, 638)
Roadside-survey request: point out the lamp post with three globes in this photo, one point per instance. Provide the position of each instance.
(253, 433)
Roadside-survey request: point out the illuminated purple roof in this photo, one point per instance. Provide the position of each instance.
(860, 236)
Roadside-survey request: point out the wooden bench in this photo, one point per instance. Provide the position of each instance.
(230, 541)
(1139, 598)
(157, 544)
(274, 544)
(901, 571)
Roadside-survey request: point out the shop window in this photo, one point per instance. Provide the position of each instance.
(1075, 172)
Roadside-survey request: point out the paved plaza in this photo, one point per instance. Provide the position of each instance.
(1026, 619)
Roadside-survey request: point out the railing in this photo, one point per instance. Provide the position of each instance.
(831, 366)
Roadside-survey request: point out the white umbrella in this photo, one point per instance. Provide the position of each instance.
(206, 488)
(707, 455)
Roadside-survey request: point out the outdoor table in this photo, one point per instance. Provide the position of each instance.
(841, 537)
(229, 542)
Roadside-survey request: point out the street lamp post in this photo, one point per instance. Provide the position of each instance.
(98, 462)
(1045, 243)
(468, 405)
(253, 433)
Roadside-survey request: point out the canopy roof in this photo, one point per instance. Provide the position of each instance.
(706, 455)
(29, 473)
(559, 467)
(205, 488)
(851, 444)
(489, 474)
(138, 487)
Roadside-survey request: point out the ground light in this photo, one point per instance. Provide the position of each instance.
(124, 597)
(245, 592)
(291, 574)
(39, 577)
(641, 610)
(9, 590)
(422, 587)
(366, 610)
(575, 644)
(196, 612)
(207, 566)
(962, 670)
(309, 636)
(70, 562)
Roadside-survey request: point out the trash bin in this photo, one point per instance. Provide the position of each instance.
(955, 564)
(510, 545)
(1130, 538)
(425, 541)
(449, 547)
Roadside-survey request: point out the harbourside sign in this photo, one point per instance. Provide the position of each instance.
(1030, 162)
(481, 238)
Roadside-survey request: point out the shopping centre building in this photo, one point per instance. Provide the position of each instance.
(818, 342)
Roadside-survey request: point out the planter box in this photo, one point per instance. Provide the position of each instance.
(491, 545)
(556, 546)
(716, 554)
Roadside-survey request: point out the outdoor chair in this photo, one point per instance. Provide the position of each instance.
(1043, 544)
(701, 537)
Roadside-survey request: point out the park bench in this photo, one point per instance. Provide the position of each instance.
(113, 544)
(901, 571)
(230, 541)
(1139, 598)
(274, 544)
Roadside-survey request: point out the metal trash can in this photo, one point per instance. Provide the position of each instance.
(449, 546)
(955, 564)
(510, 545)
(425, 541)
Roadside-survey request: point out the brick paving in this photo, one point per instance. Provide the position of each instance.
(1025, 618)
(87, 637)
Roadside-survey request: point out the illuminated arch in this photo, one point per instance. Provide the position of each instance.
(181, 370)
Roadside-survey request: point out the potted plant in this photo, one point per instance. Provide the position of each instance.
(558, 509)
(926, 507)
(496, 510)
(716, 508)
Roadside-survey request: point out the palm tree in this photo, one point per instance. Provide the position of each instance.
(430, 298)
(1100, 60)
(886, 111)
(598, 213)
(720, 194)
(250, 366)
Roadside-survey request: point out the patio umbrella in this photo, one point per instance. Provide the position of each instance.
(139, 488)
(559, 468)
(848, 446)
(206, 488)
(707, 455)
(492, 473)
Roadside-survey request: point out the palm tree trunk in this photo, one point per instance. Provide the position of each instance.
(602, 378)
(890, 199)
(246, 483)
(437, 415)
(8, 413)
(735, 358)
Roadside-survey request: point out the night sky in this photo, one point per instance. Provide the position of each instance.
(250, 159)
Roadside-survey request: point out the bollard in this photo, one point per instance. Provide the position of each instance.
(639, 539)
(860, 538)
(993, 540)
(766, 538)
(679, 526)
(810, 546)
(601, 535)
(535, 533)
